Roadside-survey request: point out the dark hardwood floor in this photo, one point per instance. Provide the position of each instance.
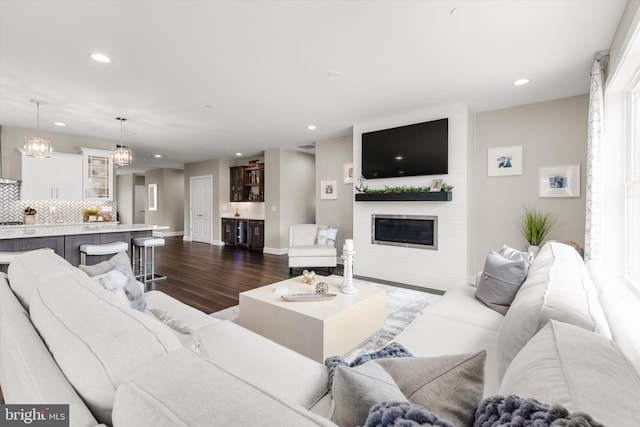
(210, 277)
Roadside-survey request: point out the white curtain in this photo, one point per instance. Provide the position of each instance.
(593, 217)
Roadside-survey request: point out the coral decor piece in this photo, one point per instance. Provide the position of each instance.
(309, 277)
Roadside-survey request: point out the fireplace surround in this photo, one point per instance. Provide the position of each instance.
(409, 231)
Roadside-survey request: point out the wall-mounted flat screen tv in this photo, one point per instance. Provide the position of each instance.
(412, 150)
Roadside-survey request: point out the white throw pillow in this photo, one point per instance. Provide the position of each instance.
(128, 289)
(326, 236)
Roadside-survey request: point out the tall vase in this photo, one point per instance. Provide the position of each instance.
(534, 250)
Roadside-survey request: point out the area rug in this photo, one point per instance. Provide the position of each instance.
(403, 306)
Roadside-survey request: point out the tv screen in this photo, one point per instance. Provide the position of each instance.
(418, 149)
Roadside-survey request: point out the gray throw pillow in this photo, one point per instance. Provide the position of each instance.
(450, 386)
(500, 281)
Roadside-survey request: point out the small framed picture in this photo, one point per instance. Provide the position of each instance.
(504, 161)
(347, 172)
(559, 181)
(436, 186)
(328, 190)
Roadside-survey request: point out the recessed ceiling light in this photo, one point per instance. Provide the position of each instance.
(238, 154)
(399, 157)
(456, 11)
(59, 124)
(157, 156)
(521, 82)
(311, 127)
(208, 106)
(333, 74)
(100, 57)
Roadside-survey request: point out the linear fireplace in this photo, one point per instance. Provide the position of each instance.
(410, 231)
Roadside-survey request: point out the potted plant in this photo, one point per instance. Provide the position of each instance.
(30, 216)
(534, 227)
(91, 214)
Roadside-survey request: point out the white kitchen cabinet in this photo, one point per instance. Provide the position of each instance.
(58, 177)
(97, 174)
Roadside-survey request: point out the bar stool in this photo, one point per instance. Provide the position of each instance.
(102, 249)
(142, 259)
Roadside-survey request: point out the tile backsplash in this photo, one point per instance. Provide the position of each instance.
(49, 212)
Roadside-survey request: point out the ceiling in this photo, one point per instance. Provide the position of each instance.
(206, 79)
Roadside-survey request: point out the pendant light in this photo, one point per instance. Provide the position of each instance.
(122, 156)
(36, 146)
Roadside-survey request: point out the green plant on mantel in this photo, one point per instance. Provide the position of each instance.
(406, 189)
(535, 225)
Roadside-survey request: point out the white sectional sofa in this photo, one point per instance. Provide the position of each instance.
(65, 339)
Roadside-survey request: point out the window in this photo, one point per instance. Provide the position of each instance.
(632, 190)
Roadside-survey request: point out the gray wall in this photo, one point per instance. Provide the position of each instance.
(289, 195)
(125, 192)
(331, 155)
(551, 133)
(170, 199)
(218, 172)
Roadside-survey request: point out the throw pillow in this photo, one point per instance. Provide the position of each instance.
(505, 410)
(516, 255)
(121, 259)
(187, 336)
(356, 390)
(387, 414)
(326, 236)
(500, 281)
(449, 386)
(128, 289)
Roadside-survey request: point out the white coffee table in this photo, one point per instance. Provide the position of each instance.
(316, 329)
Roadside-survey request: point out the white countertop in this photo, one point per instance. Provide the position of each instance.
(42, 230)
(248, 216)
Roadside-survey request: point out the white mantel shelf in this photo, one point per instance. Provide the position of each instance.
(30, 231)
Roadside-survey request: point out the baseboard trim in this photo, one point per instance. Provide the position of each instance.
(274, 251)
(400, 285)
(217, 242)
(168, 233)
(186, 238)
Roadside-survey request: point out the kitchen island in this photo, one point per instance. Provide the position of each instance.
(65, 239)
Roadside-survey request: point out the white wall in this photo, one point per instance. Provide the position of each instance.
(551, 133)
(170, 201)
(448, 265)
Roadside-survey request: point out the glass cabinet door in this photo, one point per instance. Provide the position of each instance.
(98, 175)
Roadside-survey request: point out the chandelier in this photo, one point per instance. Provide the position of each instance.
(36, 146)
(122, 156)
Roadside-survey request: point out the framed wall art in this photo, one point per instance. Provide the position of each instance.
(504, 161)
(559, 181)
(328, 190)
(347, 173)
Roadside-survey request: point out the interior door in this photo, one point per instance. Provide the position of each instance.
(139, 205)
(201, 196)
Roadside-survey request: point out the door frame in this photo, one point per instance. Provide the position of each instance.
(210, 179)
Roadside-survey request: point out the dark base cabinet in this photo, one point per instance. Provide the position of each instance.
(30, 244)
(256, 234)
(68, 247)
(243, 232)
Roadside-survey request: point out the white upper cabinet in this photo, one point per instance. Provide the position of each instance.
(97, 174)
(58, 177)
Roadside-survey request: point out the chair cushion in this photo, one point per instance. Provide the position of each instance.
(578, 369)
(96, 339)
(312, 251)
(558, 287)
(303, 234)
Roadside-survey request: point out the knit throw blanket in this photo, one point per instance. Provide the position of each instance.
(390, 350)
(514, 411)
